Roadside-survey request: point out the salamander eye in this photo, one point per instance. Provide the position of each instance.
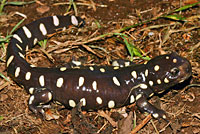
(174, 72)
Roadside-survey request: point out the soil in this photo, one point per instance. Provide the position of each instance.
(181, 103)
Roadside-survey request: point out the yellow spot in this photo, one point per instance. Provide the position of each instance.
(28, 76)
(18, 46)
(81, 81)
(10, 60)
(99, 100)
(55, 21)
(17, 71)
(132, 99)
(31, 90)
(134, 74)
(156, 67)
(83, 101)
(27, 32)
(159, 81)
(59, 82)
(116, 81)
(72, 103)
(151, 83)
(143, 86)
(174, 60)
(91, 68)
(115, 68)
(111, 104)
(102, 70)
(43, 29)
(41, 80)
(166, 80)
(146, 72)
(94, 85)
(138, 96)
(63, 68)
(21, 55)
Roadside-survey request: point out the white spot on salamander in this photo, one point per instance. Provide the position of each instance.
(132, 99)
(17, 37)
(94, 85)
(31, 99)
(138, 96)
(155, 115)
(111, 104)
(55, 21)
(28, 76)
(43, 29)
(72, 103)
(158, 81)
(21, 55)
(134, 74)
(41, 80)
(31, 90)
(102, 70)
(166, 80)
(26, 47)
(83, 100)
(18, 46)
(156, 67)
(81, 81)
(49, 96)
(151, 83)
(63, 68)
(99, 100)
(35, 41)
(146, 72)
(59, 82)
(74, 20)
(174, 60)
(17, 71)
(27, 32)
(116, 81)
(10, 59)
(115, 68)
(143, 86)
(91, 68)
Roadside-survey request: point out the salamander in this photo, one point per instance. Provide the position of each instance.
(97, 87)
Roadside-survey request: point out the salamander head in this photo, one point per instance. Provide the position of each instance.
(166, 71)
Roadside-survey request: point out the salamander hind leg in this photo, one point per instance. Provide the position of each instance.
(38, 99)
(145, 106)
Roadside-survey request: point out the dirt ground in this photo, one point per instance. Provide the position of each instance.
(152, 38)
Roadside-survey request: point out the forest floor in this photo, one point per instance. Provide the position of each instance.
(151, 27)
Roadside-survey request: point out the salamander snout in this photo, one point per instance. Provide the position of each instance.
(185, 71)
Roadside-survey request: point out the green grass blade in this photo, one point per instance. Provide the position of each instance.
(3, 2)
(16, 26)
(186, 7)
(43, 43)
(19, 3)
(1, 118)
(175, 17)
(4, 77)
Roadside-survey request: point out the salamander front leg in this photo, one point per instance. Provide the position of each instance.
(37, 99)
(145, 106)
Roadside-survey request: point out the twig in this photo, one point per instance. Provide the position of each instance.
(144, 122)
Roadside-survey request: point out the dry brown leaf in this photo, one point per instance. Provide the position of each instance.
(126, 124)
(43, 9)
